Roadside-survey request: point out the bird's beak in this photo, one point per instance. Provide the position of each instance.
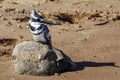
(49, 22)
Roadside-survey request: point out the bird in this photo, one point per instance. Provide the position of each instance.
(39, 30)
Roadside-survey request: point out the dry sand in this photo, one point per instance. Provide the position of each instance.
(89, 34)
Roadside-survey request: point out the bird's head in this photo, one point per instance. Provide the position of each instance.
(35, 15)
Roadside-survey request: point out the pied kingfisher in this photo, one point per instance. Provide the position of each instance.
(40, 32)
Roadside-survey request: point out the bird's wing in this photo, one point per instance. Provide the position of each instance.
(47, 34)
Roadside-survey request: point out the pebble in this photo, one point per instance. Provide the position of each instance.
(101, 22)
(3, 18)
(115, 17)
(13, 30)
(27, 26)
(109, 6)
(79, 28)
(20, 26)
(58, 8)
(9, 23)
(84, 39)
(57, 74)
(88, 36)
(23, 10)
(94, 10)
(21, 37)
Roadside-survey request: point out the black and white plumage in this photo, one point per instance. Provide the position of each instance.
(39, 31)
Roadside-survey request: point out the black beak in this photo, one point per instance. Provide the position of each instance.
(49, 22)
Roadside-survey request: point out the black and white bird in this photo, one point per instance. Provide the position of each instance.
(39, 30)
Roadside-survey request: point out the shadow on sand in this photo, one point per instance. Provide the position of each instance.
(82, 65)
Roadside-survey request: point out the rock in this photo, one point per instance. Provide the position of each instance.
(21, 37)
(23, 10)
(109, 6)
(101, 22)
(79, 28)
(20, 26)
(27, 26)
(38, 59)
(13, 30)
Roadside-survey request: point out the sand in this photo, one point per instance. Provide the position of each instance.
(89, 34)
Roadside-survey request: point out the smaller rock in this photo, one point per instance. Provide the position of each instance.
(109, 6)
(79, 28)
(20, 26)
(101, 22)
(3, 18)
(21, 37)
(27, 26)
(58, 8)
(88, 36)
(23, 10)
(84, 39)
(57, 74)
(9, 23)
(115, 17)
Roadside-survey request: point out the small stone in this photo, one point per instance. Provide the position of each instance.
(115, 17)
(23, 10)
(94, 10)
(57, 74)
(88, 36)
(79, 28)
(109, 6)
(27, 26)
(20, 26)
(58, 8)
(101, 22)
(3, 18)
(21, 37)
(84, 39)
(9, 23)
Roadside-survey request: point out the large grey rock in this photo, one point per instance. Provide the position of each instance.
(37, 59)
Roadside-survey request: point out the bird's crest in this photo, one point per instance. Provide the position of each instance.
(35, 15)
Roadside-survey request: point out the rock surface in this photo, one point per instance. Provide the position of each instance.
(37, 59)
